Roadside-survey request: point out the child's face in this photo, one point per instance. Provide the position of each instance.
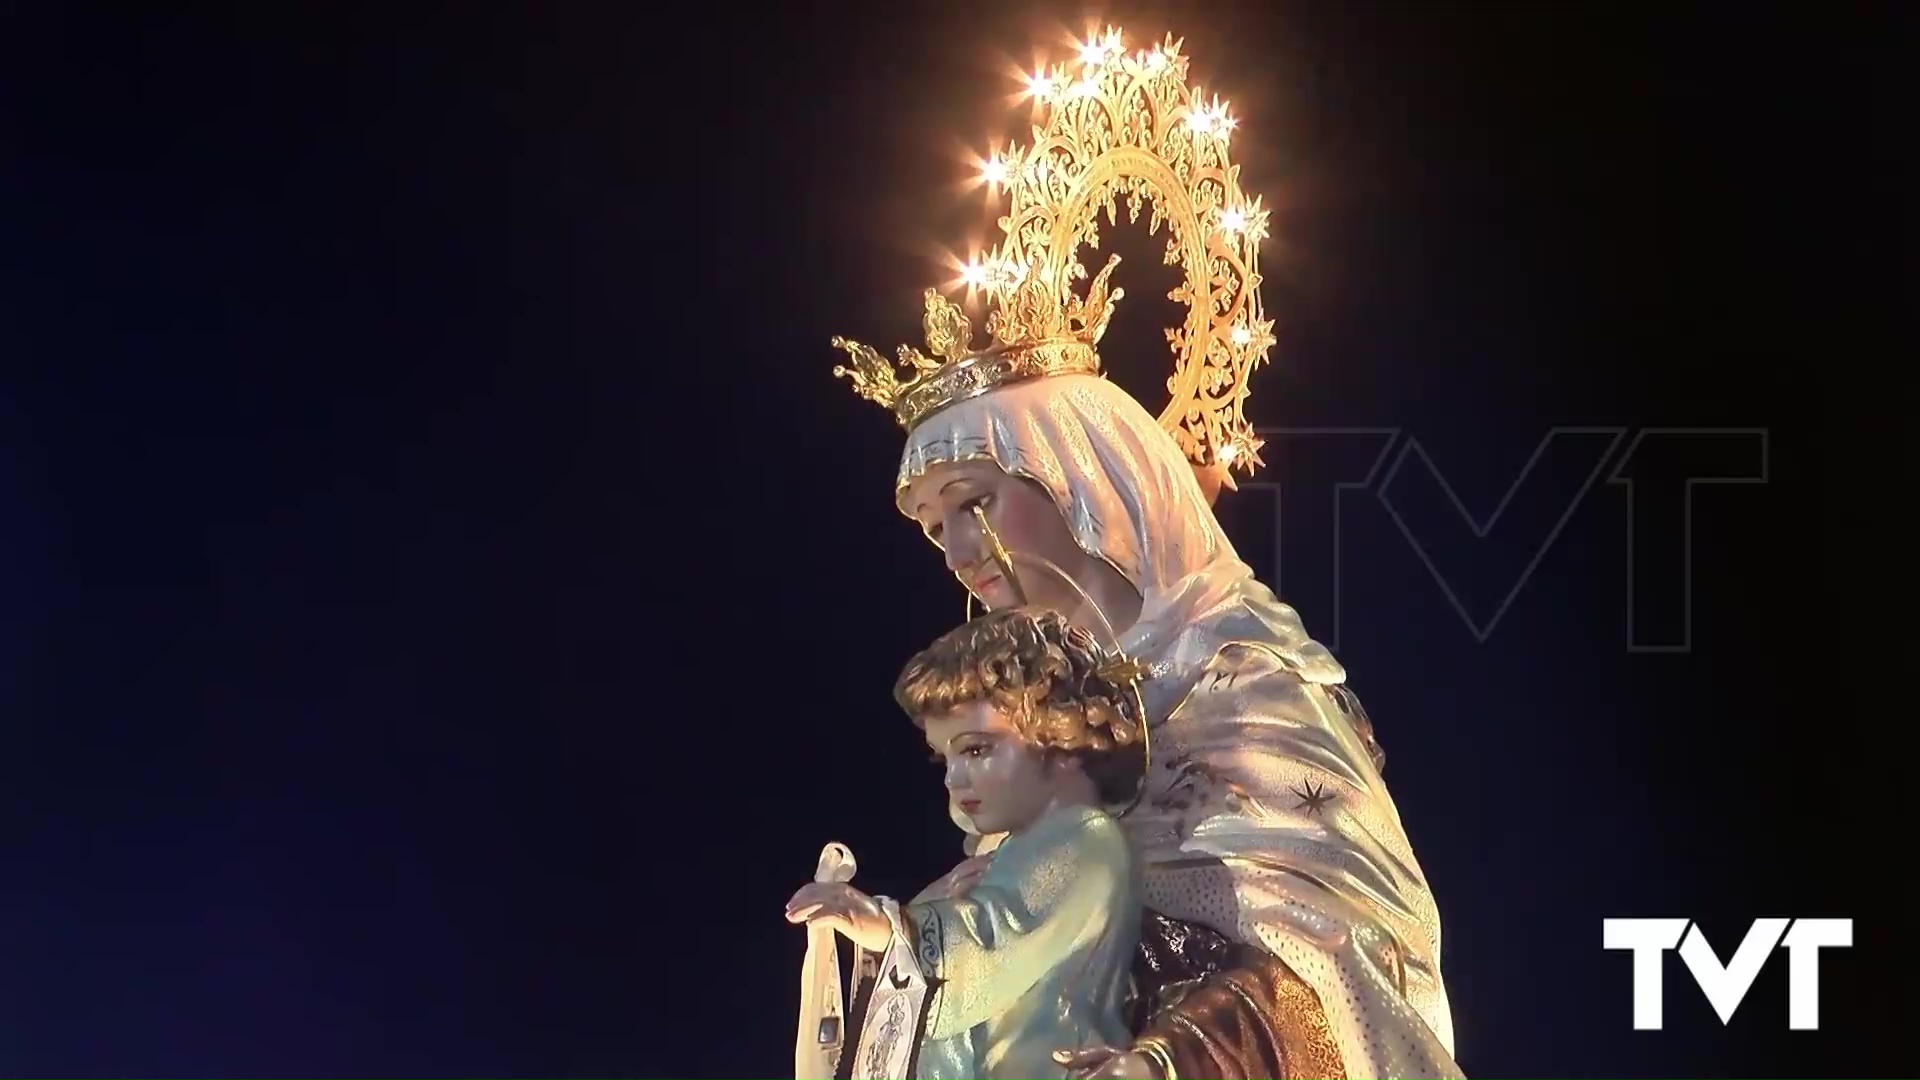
(995, 779)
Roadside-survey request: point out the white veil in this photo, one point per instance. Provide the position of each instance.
(1128, 494)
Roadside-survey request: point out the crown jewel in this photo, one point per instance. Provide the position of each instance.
(1114, 126)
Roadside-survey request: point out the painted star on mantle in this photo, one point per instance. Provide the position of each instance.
(1313, 797)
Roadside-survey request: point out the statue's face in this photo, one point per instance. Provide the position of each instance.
(1022, 515)
(995, 779)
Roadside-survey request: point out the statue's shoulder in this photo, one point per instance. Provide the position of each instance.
(1243, 674)
(1257, 628)
(1263, 666)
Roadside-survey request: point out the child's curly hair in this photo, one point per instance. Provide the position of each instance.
(1047, 676)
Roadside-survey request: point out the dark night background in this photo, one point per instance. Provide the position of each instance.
(445, 601)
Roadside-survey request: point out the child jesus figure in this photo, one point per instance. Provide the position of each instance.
(1039, 731)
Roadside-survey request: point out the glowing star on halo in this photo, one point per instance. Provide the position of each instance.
(1242, 448)
(1256, 339)
(1254, 221)
(1095, 52)
(1046, 84)
(1210, 120)
(1119, 129)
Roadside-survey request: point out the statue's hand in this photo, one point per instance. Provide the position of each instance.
(1106, 1063)
(844, 908)
(957, 882)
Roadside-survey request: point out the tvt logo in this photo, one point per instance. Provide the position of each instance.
(1481, 558)
(1726, 985)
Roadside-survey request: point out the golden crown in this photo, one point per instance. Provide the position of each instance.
(1116, 125)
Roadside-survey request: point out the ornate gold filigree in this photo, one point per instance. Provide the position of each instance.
(1115, 126)
(1123, 670)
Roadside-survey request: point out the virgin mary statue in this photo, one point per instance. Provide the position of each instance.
(1290, 930)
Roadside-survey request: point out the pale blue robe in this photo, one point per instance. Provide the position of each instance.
(1035, 959)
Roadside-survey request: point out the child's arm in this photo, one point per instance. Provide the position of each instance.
(1026, 915)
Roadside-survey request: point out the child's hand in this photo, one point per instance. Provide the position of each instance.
(844, 908)
(958, 882)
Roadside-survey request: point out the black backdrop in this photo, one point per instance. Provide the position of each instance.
(445, 602)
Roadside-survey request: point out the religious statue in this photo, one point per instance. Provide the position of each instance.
(1288, 930)
(1039, 728)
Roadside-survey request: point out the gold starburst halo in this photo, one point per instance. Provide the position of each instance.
(1114, 126)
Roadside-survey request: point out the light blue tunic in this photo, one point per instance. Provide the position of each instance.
(1035, 959)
